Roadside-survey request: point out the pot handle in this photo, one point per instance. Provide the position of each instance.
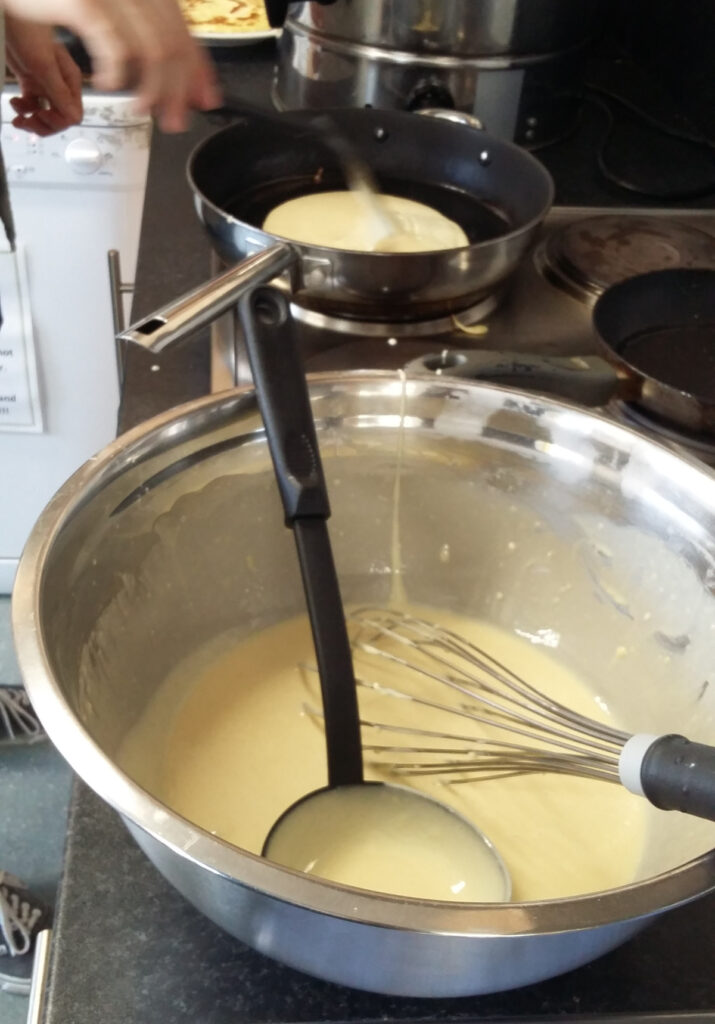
(195, 309)
(585, 379)
(455, 116)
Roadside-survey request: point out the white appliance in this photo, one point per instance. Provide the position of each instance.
(75, 196)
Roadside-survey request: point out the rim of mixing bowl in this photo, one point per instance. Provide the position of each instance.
(639, 899)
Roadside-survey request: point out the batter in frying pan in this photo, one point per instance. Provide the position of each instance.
(346, 220)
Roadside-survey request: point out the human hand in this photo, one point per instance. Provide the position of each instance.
(50, 82)
(142, 45)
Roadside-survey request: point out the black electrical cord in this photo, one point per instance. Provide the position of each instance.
(598, 96)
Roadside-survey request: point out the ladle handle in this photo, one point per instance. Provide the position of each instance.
(284, 402)
(285, 405)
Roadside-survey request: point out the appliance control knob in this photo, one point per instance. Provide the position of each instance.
(430, 93)
(84, 156)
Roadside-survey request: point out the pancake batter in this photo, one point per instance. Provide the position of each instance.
(346, 220)
(232, 739)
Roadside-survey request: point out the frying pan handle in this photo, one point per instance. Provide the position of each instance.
(585, 379)
(195, 309)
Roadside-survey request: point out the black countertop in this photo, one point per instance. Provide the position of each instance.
(133, 951)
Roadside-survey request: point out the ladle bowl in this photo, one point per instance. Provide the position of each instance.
(389, 839)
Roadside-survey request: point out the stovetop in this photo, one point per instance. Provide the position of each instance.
(536, 312)
(128, 948)
(544, 309)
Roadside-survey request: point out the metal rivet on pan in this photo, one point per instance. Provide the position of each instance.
(381, 134)
(485, 158)
(530, 133)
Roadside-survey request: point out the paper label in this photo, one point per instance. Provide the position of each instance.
(20, 409)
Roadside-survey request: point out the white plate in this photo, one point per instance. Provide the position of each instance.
(234, 38)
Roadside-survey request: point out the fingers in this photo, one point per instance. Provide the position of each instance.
(72, 78)
(144, 44)
(183, 78)
(45, 109)
(49, 80)
(52, 96)
(204, 91)
(35, 115)
(36, 124)
(180, 87)
(116, 43)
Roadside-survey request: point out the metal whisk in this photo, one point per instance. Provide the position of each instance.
(671, 771)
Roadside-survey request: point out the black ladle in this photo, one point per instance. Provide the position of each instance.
(284, 403)
(285, 408)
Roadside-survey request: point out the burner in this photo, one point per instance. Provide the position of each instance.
(332, 343)
(464, 321)
(588, 256)
(698, 445)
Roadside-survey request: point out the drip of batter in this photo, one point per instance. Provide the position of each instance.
(344, 220)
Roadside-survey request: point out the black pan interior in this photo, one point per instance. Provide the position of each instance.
(251, 167)
(663, 325)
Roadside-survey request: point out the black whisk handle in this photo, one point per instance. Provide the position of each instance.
(679, 775)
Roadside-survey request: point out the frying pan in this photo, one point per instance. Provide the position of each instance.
(656, 333)
(497, 192)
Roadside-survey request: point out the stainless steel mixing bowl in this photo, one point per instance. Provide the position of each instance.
(556, 522)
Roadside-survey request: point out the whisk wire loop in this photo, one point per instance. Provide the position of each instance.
(559, 739)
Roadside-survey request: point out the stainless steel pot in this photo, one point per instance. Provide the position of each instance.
(474, 28)
(495, 191)
(516, 64)
(143, 557)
